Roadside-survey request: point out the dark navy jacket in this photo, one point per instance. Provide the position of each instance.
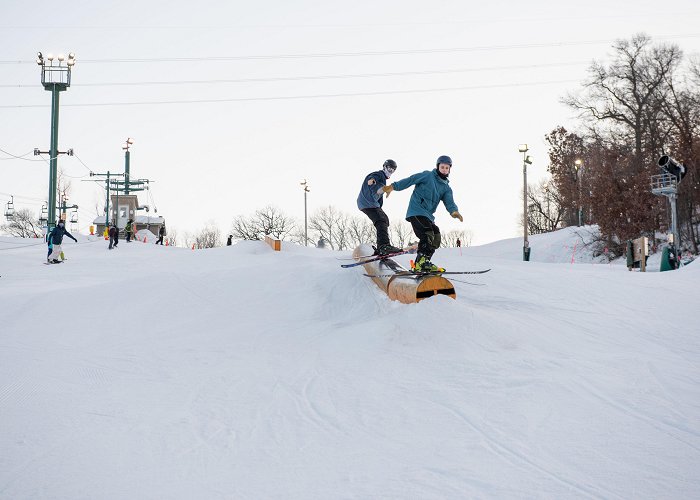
(57, 235)
(368, 197)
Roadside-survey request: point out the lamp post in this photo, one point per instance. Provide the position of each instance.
(54, 78)
(306, 225)
(577, 166)
(527, 160)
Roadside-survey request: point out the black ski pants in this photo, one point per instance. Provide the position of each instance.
(428, 234)
(381, 224)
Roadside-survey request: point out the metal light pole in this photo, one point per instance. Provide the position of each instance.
(577, 166)
(55, 79)
(526, 161)
(306, 225)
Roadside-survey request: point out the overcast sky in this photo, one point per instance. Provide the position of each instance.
(232, 104)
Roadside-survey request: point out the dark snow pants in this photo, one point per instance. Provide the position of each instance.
(381, 224)
(428, 234)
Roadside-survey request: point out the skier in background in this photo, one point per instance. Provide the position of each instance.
(129, 230)
(161, 234)
(432, 187)
(113, 236)
(370, 201)
(229, 241)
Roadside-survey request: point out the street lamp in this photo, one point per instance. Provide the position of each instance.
(55, 78)
(527, 160)
(306, 225)
(577, 166)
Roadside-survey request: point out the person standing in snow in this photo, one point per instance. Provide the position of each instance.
(113, 236)
(129, 230)
(161, 234)
(431, 188)
(56, 238)
(229, 241)
(370, 201)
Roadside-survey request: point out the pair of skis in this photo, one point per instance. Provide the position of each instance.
(412, 274)
(372, 258)
(407, 274)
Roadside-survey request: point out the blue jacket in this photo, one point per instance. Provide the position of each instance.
(430, 190)
(368, 197)
(56, 235)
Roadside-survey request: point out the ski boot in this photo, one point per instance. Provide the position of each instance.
(423, 265)
(387, 249)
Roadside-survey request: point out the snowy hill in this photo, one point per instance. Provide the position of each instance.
(239, 372)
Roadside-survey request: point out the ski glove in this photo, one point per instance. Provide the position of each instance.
(388, 189)
(457, 215)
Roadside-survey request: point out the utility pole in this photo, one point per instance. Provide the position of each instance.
(109, 182)
(127, 157)
(55, 79)
(127, 185)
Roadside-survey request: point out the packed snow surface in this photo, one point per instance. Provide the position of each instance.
(240, 372)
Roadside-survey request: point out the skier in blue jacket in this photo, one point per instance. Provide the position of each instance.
(432, 187)
(370, 201)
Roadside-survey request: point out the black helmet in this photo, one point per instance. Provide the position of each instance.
(444, 159)
(390, 164)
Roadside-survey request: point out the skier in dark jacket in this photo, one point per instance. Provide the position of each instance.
(113, 236)
(370, 201)
(432, 187)
(56, 238)
(161, 234)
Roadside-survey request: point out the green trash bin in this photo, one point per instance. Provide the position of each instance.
(668, 259)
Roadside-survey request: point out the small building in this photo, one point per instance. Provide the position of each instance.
(124, 207)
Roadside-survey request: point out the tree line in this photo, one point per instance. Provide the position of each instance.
(643, 104)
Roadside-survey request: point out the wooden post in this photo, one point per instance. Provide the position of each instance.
(405, 289)
(275, 244)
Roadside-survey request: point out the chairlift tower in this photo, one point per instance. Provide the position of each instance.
(55, 78)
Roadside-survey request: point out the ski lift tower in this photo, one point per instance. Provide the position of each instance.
(666, 184)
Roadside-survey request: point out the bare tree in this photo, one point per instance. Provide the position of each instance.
(331, 225)
(361, 230)
(627, 95)
(208, 237)
(401, 233)
(544, 208)
(23, 225)
(449, 239)
(266, 221)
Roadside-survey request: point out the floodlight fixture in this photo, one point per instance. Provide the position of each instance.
(523, 148)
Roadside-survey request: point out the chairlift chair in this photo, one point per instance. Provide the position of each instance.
(74, 217)
(44, 217)
(10, 209)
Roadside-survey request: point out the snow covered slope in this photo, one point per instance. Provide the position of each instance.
(239, 372)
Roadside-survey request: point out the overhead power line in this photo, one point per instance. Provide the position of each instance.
(358, 54)
(317, 77)
(311, 96)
